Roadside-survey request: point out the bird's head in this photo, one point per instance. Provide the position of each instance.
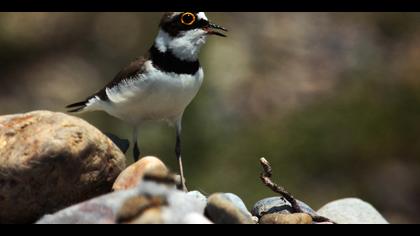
(185, 32)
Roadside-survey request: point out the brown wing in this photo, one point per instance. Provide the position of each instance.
(133, 69)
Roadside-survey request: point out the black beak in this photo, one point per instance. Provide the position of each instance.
(211, 29)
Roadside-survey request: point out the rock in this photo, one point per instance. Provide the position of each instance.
(352, 211)
(49, 161)
(271, 205)
(306, 208)
(278, 205)
(199, 196)
(150, 202)
(195, 218)
(224, 209)
(181, 204)
(279, 218)
(100, 210)
(136, 207)
(133, 175)
(237, 201)
(150, 216)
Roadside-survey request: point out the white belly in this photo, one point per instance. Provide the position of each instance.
(153, 96)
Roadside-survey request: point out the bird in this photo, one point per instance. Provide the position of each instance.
(161, 84)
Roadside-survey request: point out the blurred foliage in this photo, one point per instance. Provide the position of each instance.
(332, 100)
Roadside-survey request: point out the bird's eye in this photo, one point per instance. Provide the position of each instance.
(188, 18)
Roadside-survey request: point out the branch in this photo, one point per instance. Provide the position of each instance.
(266, 179)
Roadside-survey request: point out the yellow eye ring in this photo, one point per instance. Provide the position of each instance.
(189, 21)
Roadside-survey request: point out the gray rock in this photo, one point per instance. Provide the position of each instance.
(271, 205)
(278, 205)
(352, 211)
(100, 210)
(237, 201)
(225, 209)
(306, 208)
(198, 195)
(177, 208)
(49, 161)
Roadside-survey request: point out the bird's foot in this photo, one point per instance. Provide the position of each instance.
(136, 152)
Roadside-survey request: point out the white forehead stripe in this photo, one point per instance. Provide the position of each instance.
(202, 16)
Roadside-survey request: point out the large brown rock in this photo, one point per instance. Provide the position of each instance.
(49, 161)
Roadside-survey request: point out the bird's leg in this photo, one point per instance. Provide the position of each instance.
(178, 155)
(136, 150)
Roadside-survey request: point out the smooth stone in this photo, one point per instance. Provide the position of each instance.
(51, 160)
(271, 205)
(133, 175)
(222, 209)
(134, 208)
(306, 208)
(352, 211)
(278, 205)
(100, 210)
(115, 207)
(198, 195)
(195, 218)
(279, 218)
(181, 204)
(149, 216)
(237, 201)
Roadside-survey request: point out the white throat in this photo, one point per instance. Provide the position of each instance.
(186, 46)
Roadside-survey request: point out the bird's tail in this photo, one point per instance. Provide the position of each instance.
(77, 107)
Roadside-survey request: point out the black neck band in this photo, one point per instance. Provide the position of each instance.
(168, 62)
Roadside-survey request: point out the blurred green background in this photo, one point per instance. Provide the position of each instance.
(332, 100)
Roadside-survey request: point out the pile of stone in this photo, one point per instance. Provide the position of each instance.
(153, 201)
(58, 169)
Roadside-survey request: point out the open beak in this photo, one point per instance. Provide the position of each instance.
(212, 29)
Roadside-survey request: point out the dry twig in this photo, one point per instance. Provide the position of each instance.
(266, 179)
